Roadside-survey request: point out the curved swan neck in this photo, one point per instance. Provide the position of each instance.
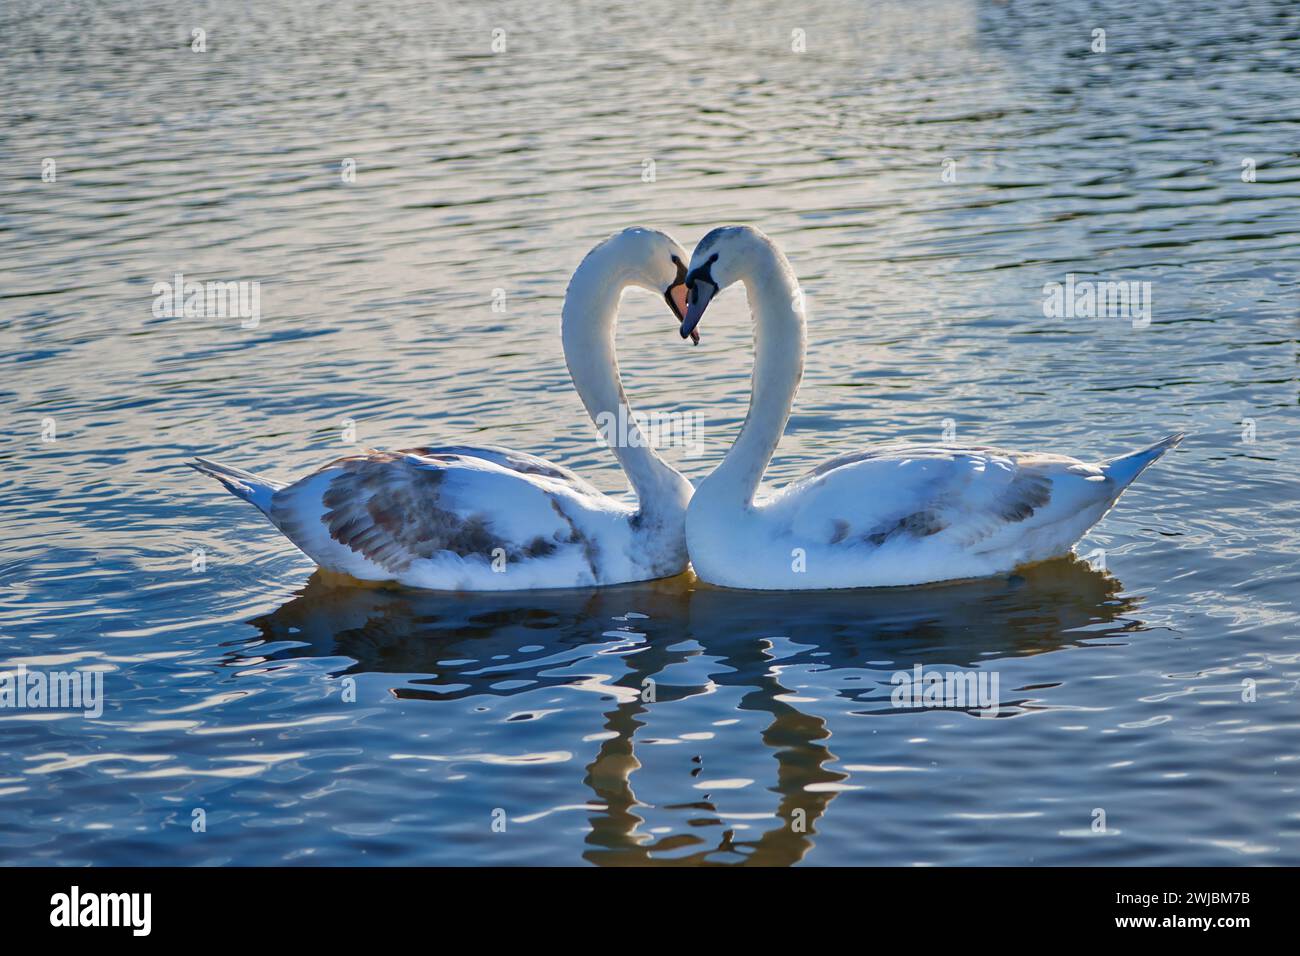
(779, 345)
(587, 329)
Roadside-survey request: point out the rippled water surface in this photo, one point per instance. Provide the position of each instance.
(1162, 691)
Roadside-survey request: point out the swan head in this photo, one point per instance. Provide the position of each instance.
(657, 263)
(725, 255)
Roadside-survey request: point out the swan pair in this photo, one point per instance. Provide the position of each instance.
(462, 518)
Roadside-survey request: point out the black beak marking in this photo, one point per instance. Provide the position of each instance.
(668, 293)
(698, 300)
(702, 273)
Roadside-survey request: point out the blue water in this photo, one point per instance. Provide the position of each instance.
(671, 722)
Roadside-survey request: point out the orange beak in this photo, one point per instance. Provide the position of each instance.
(678, 292)
(676, 296)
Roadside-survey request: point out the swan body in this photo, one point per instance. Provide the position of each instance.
(895, 515)
(481, 518)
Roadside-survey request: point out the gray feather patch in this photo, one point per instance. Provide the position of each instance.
(920, 524)
(393, 511)
(1026, 494)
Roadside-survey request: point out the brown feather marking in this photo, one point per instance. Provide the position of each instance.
(920, 524)
(390, 511)
(1027, 493)
(589, 550)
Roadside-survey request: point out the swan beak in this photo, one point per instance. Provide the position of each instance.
(702, 294)
(676, 296)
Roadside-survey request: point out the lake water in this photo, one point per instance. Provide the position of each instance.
(1158, 696)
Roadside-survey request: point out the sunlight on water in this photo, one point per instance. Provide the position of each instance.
(928, 167)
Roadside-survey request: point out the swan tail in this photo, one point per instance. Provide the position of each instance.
(1123, 469)
(241, 483)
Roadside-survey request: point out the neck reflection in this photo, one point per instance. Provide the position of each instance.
(733, 642)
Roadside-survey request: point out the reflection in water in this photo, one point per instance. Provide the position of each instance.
(478, 172)
(448, 639)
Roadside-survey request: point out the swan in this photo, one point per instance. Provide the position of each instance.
(482, 518)
(890, 516)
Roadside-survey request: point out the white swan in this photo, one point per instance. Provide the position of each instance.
(892, 516)
(485, 518)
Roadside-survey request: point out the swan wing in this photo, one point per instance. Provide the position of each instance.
(971, 498)
(450, 519)
(517, 461)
